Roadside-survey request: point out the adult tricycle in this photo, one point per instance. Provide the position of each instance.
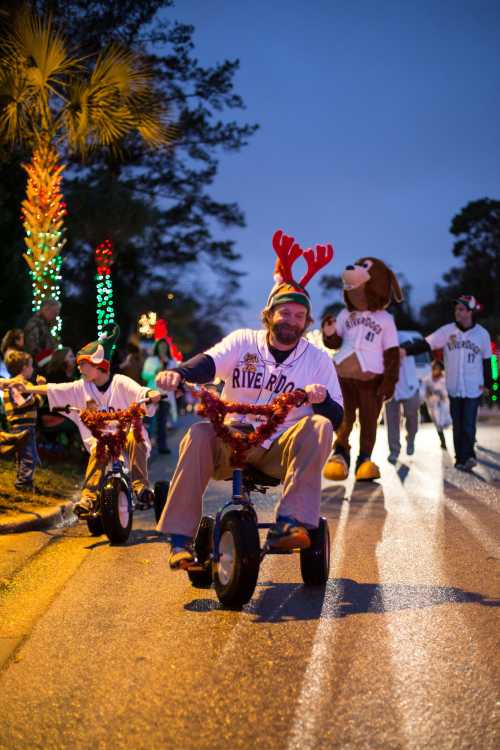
(228, 549)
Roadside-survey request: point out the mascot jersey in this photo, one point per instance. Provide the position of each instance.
(368, 334)
(464, 352)
(251, 374)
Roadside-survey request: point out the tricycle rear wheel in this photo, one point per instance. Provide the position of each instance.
(203, 543)
(94, 524)
(160, 493)
(315, 561)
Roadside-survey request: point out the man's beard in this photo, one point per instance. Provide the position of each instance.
(286, 334)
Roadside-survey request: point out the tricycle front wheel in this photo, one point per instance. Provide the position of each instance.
(116, 510)
(237, 569)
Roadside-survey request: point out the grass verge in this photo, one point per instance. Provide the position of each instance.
(56, 481)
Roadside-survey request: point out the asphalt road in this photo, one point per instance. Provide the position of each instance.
(103, 647)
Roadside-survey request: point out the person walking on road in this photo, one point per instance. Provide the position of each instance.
(436, 399)
(406, 397)
(467, 360)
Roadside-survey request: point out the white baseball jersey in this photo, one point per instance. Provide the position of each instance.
(122, 392)
(464, 352)
(368, 334)
(252, 376)
(407, 384)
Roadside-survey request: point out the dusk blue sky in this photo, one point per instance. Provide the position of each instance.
(379, 121)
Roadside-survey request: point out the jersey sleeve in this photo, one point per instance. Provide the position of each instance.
(389, 334)
(66, 394)
(486, 347)
(438, 339)
(225, 354)
(340, 323)
(131, 392)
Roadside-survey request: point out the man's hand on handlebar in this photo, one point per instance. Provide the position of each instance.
(316, 393)
(167, 380)
(154, 396)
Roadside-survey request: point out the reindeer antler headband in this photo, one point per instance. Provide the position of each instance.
(286, 289)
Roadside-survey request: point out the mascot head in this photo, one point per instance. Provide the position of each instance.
(370, 285)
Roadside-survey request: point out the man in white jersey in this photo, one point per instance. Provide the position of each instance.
(104, 392)
(467, 360)
(256, 366)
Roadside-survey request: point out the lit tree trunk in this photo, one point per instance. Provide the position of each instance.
(43, 213)
(104, 286)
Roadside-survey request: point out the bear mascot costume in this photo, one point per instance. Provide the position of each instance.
(367, 360)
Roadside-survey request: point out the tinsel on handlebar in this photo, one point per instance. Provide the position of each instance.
(111, 444)
(215, 409)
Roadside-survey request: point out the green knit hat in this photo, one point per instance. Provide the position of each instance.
(288, 292)
(98, 353)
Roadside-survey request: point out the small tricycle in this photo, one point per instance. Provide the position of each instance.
(228, 550)
(115, 502)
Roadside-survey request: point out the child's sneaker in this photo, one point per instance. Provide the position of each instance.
(288, 534)
(83, 507)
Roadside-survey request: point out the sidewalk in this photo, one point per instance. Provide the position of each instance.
(34, 517)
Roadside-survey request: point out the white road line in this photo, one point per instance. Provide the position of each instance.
(473, 526)
(308, 707)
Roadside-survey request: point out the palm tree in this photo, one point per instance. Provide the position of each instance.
(53, 102)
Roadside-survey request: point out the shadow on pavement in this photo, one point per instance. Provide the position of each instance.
(137, 536)
(287, 601)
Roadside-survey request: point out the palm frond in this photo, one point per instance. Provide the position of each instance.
(17, 106)
(121, 69)
(35, 43)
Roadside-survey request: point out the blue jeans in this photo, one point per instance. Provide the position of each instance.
(464, 416)
(27, 458)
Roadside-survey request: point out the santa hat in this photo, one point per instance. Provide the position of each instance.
(43, 357)
(286, 289)
(98, 353)
(470, 302)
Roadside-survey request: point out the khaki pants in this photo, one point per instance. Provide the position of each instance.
(138, 463)
(296, 457)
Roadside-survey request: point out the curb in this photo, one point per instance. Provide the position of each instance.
(62, 514)
(42, 518)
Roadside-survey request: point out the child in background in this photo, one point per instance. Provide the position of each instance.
(407, 397)
(436, 399)
(21, 413)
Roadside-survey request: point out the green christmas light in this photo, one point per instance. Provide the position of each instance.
(104, 286)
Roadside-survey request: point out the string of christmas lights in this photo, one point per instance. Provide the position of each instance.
(494, 373)
(104, 286)
(43, 211)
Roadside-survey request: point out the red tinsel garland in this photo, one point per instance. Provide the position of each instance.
(215, 409)
(110, 445)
